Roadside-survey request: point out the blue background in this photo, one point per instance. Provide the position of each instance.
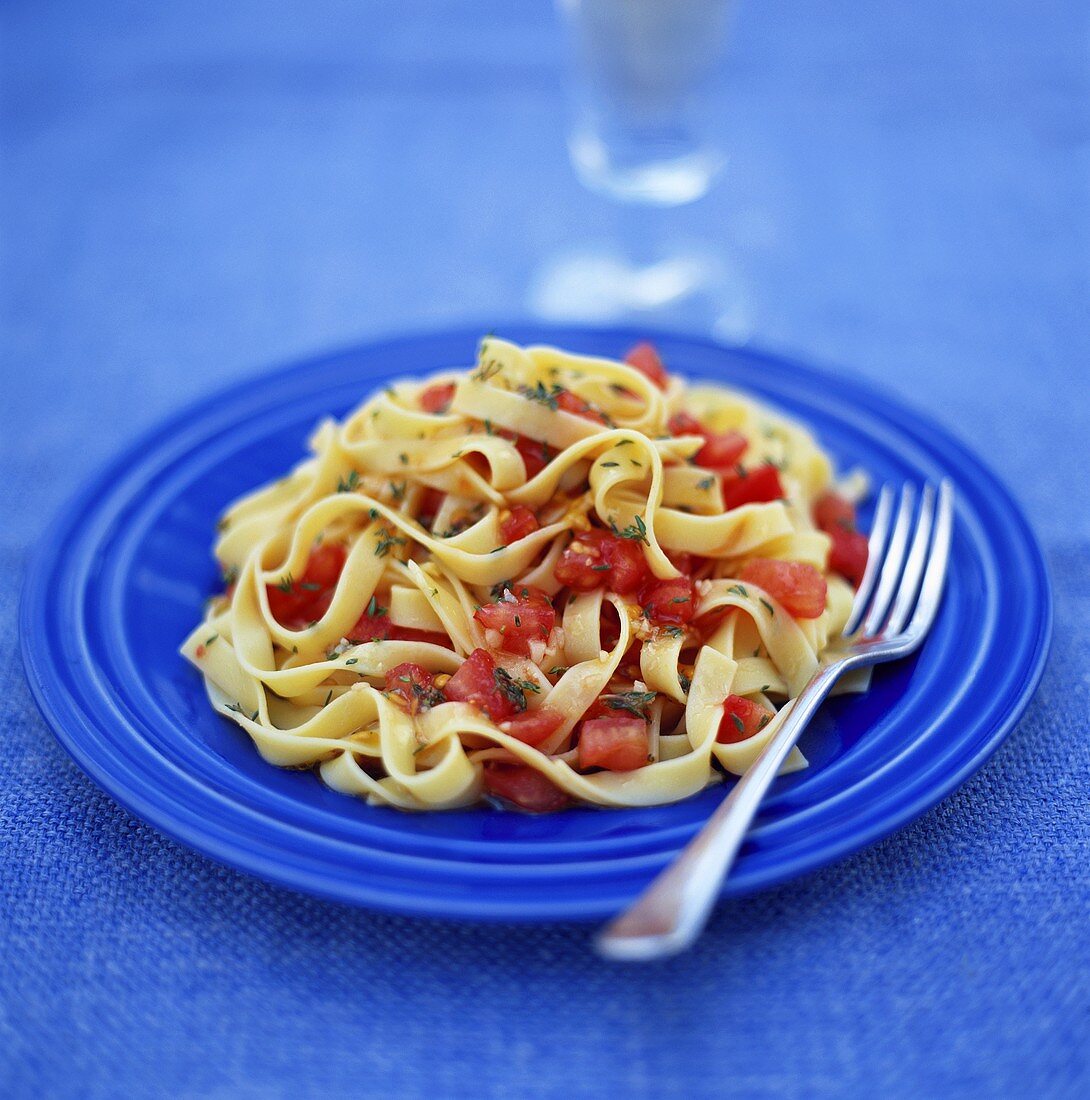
(191, 192)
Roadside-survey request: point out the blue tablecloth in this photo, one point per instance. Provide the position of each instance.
(190, 191)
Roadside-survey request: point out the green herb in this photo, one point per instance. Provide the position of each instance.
(634, 702)
(771, 609)
(548, 397)
(372, 513)
(497, 549)
(530, 686)
(739, 723)
(675, 631)
(285, 584)
(509, 688)
(738, 590)
(685, 682)
(487, 370)
(208, 641)
(705, 483)
(398, 490)
(229, 575)
(310, 586)
(348, 484)
(606, 464)
(488, 427)
(558, 670)
(404, 458)
(637, 530)
(352, 661)
(327, 698)
(680, 599)
(375, 609)
(764, 721)
(386, 540)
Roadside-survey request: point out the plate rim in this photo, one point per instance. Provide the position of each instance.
(863, 392)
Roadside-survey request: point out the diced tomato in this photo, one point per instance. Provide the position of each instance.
(742, 718)
(645, 359)
(286, 603)
(369, 628)
(519, 617)
(832, 511)
(415, 684)
(533, 726)
(410, 634)
(535, 454)
(574, 404)
(668, 603)
(306, 600)
(721, 450)
(519, 523)
(479, 681)
(430, 503)
(752, 487)
(683, 561)
(596, 557)
(325, 564)
(796, 585)
(524, 786)
(848, 554)
(617, 741)
(437, 397)
(684, 423)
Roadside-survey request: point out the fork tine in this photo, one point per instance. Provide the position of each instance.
(931, 589)
(914, 566)
(891, 567)
(875, 549)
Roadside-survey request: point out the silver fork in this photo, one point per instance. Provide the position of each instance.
(896, 603)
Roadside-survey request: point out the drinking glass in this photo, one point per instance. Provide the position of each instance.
(647, 91)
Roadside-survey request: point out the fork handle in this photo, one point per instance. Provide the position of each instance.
(670, 914)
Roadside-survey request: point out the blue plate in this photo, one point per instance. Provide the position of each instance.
(122, 575)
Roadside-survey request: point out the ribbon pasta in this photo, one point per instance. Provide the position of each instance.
(355, 587)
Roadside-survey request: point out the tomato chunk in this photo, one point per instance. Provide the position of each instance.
(526, 787)
(437, 397)
(430, 503)
(482, 683)
(684, 423)
(849, 551)
(742, 718)
(574, 404)
(411, 634)
(533, 726)
(848, 554)
(645, 358)
(535, 454)
(371, 626)
(721, 450)
(752, 487)
(415, 684)
(594, 558)
(831, 511)
(796, 585)
(517, 619)
(301, 602)
(618, 742)
(519, 523)
(669, 603)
